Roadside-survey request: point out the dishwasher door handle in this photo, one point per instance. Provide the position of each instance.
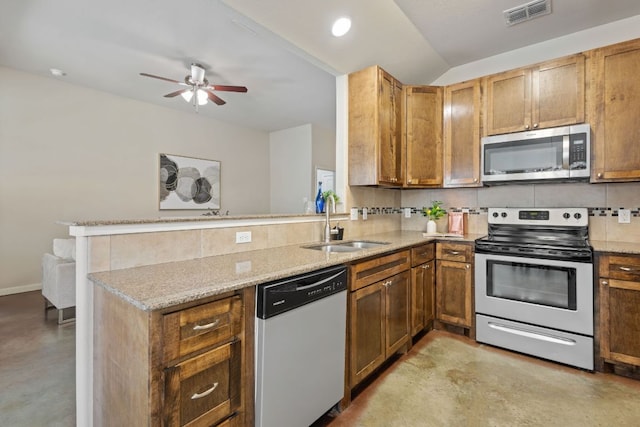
(320, 282)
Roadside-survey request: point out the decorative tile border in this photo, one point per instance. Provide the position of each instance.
(595, 211)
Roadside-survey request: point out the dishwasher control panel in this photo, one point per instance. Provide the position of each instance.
(286, 294)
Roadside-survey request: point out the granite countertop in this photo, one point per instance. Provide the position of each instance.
(160, 286)
(615, 247)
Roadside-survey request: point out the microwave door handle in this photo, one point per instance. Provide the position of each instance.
(565, 152)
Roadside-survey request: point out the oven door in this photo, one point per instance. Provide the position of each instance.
(551, 293)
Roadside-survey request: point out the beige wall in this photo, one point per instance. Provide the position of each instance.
(71, 153)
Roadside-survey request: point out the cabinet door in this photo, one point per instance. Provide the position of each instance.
(390, 128)
(422, 296)
(454, 293)
(423, 135)
(367, 331)
(462, 135)
(508, 101)
(558, 92)
(620, 321)
(397, 292)
(614, 113)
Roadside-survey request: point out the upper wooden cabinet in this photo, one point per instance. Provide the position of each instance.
(422, 135)
(614, 109)
(462, 134)
(542, 96)
(375, 128)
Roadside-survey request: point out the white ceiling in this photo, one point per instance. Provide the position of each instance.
(280, 49)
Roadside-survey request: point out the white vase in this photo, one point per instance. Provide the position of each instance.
(431, 226)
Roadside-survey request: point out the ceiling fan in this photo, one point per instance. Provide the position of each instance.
(197, 87)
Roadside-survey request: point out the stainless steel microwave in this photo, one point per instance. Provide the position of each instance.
(561, 153)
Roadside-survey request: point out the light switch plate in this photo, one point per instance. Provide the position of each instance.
(354, 214)
(407, 212)
(364, 214)
(624, 216)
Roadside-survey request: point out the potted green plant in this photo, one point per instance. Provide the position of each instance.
(434, 213)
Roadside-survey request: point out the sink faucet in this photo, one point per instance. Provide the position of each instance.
(327, 225)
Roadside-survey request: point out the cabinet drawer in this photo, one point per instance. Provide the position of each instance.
(377, 269)
(422, 254)
(620, 267)
(459, 252)
(203, 390)
(197, 328)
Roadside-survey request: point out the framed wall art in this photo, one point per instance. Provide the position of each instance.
(188, 183)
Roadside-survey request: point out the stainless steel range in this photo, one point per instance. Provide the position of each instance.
(534, 284)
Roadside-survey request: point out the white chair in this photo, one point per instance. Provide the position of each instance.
(59, 279)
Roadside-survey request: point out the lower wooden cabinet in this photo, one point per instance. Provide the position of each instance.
(454, 284)
(188, 365)
(422, 287)
(619, 284)
(378, 313)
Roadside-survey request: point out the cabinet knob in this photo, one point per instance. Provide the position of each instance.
(388, 283)
(535, 126)
(475, 179)
(526, 127)
(604, 282)
(599, 175)
(468, 266)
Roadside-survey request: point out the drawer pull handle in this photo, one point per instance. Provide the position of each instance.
(207, 326)
(388, 283)
(625, 269)
(204, 393)
(454, 253)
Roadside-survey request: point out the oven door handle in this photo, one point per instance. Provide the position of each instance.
(530, 334)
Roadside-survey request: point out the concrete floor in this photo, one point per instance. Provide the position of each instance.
(37, 365)
(444, 380)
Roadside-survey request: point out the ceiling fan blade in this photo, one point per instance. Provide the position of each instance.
(176, 93)
(161, 78)
(229, 88)
(214, 98)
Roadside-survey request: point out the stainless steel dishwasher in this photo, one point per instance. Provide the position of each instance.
(300, 347)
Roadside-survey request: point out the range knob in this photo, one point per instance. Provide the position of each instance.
(503, 214)
(577, 215)
(566, 215)
(495, 214)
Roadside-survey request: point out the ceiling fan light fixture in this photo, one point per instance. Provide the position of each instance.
(197, 73)
(187, 95)
(203, 98)
(341, 26)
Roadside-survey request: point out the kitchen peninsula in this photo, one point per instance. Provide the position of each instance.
(152, 265)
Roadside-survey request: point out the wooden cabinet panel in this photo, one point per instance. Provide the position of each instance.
(508, 101)
(461, 135)
(458, 252)
(559, 92)
(422, 254)
(423, 135)
(614, 112)
(422, 296)
(367, 329)
(205, 389)
(544, 95)
(376, 269)
(397, 292)
(619, 314)
(375, 128)
(190, 330)
(454, 293)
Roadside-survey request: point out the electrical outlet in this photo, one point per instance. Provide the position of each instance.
(407, 212)
(354, 214)
(243, 237)
(364, 214)
(624, 216)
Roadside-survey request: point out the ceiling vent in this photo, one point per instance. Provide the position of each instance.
(527, 11)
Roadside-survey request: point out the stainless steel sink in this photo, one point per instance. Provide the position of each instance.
(352, 246)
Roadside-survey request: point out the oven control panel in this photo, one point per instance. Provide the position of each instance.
(578, 217)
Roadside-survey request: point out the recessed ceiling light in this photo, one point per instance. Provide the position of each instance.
(341, 26)
(56, 72)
